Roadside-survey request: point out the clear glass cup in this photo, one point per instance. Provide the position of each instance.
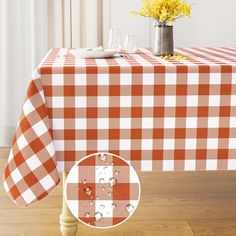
(130, 44)
(114, 39)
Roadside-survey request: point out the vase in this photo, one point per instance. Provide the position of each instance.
(164, 42)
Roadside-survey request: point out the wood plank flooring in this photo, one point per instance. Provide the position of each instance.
(172, 204)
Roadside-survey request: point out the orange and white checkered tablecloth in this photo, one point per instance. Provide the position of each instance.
(158, 114)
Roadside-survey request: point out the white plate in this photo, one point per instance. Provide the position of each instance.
(84, 53)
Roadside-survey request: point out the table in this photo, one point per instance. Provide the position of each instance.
(160, 115)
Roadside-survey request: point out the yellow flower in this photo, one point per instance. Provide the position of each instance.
(164, 10)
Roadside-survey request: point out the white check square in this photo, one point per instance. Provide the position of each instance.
(57, 79)
(40, 128)
(5, 185)
(169, 144)
(16, 176)
(103, 173)
(103, 123)
(148, 101)
(148, 78)
(57, 102)
(233, 100)
(168, 165)
(50, 149)
(81, 145)
(233, 122)
(125, 144)
(80, 101)
(103, 79)
(147, 144)
(170, 101)
(103, 145)
(234, 78)
(105, 207)
(81, 123)
(103, 101)
(214, 100)
(193, 78)
(125, 101)
(170, 78)
(191, 122)
(125, 79)
(59, 145)
(146, 165)
(232, 143)
(190, 165)
(28, 107)
(211, 164)
(58, 124)
(212, 143)
(232, 164)
(80, 79)
(47, 182)
(213, 122)
(28, 196)
(74, 206)
(192, 101)
(191, 144)
(147, 123)
(215, 78)
(21, 142)
(125, 123)
(41, 93)
(169, 122)
(33, 162)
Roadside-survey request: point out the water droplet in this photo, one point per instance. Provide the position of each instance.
(113, 206)
(102, 181)
(87, 214)
(90, 202)
(117, 172)
(112, 181)
(88, 191)
(104, 168)
(111, 163)
(97, 197)
(109, 194)
(102, 207)
(84, 181)
(129, 208)
(103, 157)
(98, 216)
(103, 188)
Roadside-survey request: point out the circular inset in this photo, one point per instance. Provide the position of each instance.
(102, 190)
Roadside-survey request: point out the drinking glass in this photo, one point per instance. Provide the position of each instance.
(130, 44)
(114, 39)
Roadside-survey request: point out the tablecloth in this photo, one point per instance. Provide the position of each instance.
(158, 114)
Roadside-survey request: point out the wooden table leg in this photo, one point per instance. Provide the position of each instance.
(68, 223)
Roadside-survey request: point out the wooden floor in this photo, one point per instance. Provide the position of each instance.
(172, 204)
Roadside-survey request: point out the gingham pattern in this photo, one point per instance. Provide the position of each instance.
(158, 114)
(94, 174)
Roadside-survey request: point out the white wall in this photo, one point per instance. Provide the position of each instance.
(213, 23)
